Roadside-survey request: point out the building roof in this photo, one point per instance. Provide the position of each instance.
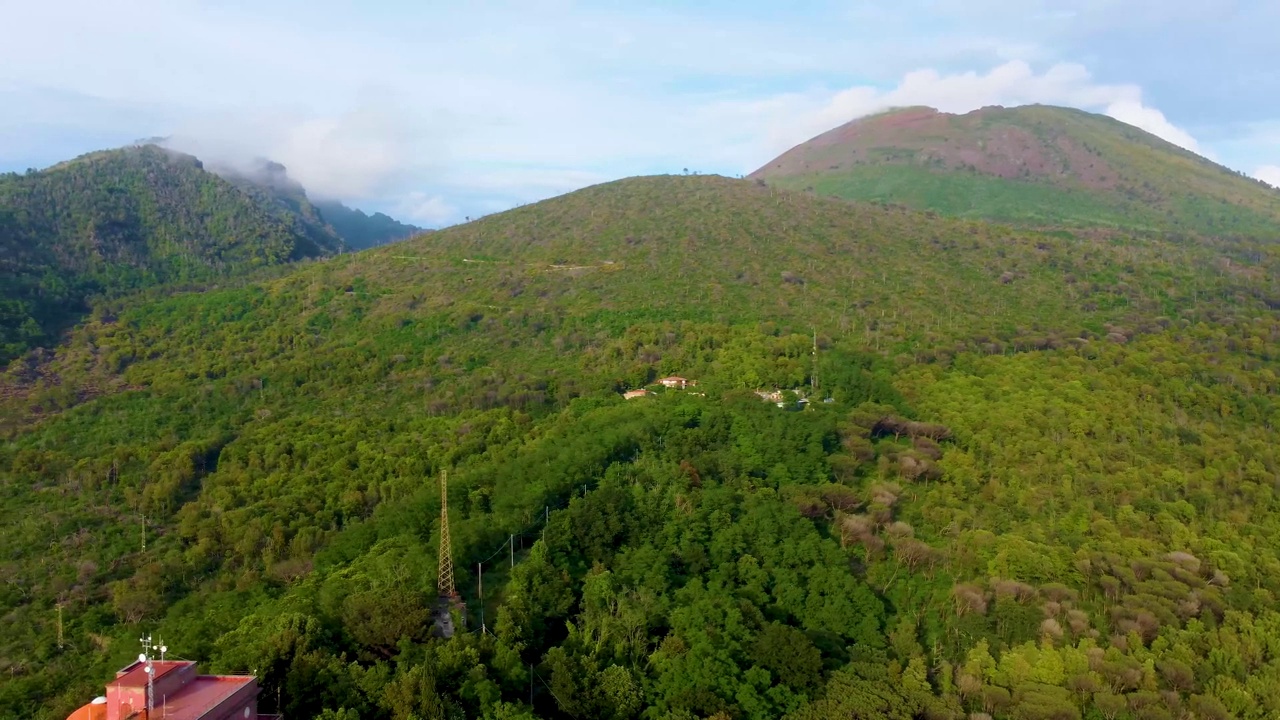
(136, 674)
(200, 695)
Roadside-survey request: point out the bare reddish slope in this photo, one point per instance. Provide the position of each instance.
(1034, 162)
(985, 140)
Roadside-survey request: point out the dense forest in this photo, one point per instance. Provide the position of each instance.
(1045, 485)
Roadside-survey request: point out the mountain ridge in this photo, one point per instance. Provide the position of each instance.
(361, 230)
(271, 182)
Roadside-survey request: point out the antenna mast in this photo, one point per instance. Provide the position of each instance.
(446, 551)
(150, 669)
(813, 377)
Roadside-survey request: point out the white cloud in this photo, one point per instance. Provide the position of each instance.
(423, 209)
(506, 102)
(358, 154)
(1154, 122)
(1269, 174)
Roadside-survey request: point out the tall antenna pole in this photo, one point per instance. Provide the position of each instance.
(150, 670)
(813, 377)
(446, 551)
(480, 591)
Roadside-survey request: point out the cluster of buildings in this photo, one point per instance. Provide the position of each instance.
(678, 383)
(673, 382)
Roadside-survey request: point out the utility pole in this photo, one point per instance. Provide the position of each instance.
(813, 376)
(480, 592)
(512, 543)
(144, 533)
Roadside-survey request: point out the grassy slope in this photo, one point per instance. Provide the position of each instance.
(1098, 171)
(970, 195)
(258, 426)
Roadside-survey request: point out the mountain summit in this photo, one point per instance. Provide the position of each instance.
(1038, 164)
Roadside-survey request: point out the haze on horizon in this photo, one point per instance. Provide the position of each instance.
(432, 112)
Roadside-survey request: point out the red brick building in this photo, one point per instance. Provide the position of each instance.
(177, 693)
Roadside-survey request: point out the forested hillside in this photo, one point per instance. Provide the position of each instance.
(269, 184)
(116, 221)
(1044, 487)
(1035, 164)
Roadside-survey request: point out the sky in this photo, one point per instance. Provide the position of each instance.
(438, 111)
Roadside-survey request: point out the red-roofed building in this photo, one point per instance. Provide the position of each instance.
(178, 693)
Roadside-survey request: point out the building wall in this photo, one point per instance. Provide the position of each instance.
(124, 701)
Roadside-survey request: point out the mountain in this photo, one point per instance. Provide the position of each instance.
(1034, 164)
(115, 221)
(269, 181)
(269, 184)
(360, 231)
(1044, 487)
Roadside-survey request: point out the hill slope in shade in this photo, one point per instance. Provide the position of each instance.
(115, 221)
(360, 231)
(1035, 164)
(1045, 487)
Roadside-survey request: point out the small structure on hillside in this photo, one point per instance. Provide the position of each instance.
(774, 396)
(675, 382)
(171, 689)
(633, 394)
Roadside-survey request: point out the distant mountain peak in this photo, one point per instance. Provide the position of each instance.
(360, 230)
(1036, 163)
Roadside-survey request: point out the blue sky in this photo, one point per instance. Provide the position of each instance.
(435, 111)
